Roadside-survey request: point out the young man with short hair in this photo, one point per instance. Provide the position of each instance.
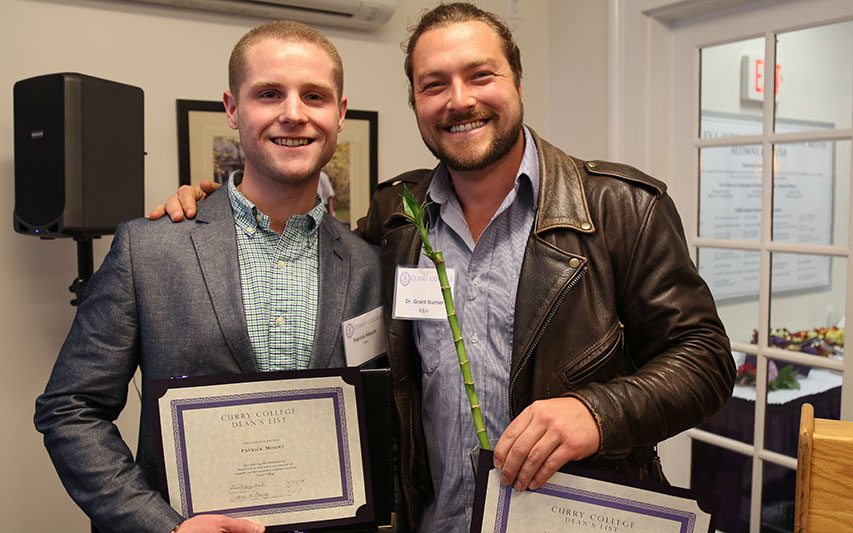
(261, 280)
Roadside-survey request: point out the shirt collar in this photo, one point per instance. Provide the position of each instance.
(441, 186)
(249, 218)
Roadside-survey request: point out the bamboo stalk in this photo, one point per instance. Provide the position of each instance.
(415, 214)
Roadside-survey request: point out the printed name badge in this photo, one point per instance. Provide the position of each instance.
(364, 337)
(417, 294)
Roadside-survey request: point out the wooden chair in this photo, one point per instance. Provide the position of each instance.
(824, 475)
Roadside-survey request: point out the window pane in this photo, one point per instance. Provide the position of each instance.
(777, 506)
(808, 293)
(816, 78)
(732, 276)
(730, 192)
(722, 84)
(811, 191)
(727, 474)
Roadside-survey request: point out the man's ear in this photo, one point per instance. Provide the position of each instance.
(520, 97)
(342, 113)
(230, 109)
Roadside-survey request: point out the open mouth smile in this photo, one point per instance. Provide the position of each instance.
(285, 141)
(468, 126)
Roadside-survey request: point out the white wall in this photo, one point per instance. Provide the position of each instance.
(577, 32)
(175, 54)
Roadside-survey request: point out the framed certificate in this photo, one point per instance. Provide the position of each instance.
(284, 449)
(576, 500)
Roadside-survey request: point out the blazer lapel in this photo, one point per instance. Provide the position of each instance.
(334, 279)
(214, 239)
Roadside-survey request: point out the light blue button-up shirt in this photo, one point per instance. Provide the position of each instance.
(486, 281)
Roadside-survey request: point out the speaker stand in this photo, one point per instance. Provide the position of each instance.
(85, 268)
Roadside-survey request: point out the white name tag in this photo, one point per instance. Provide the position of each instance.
(364, 337)
(417, 294)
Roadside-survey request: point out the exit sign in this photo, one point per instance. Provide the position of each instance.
(752, 78)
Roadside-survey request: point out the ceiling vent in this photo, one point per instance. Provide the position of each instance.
(356, 14)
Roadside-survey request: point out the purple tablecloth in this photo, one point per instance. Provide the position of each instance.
(729, 474)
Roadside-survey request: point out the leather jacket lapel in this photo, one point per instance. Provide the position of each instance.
(535, 300)
(562, 199)
(562, 208)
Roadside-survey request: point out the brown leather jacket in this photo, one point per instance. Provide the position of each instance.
(610, 309)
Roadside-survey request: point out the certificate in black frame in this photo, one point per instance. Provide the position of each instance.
(377, 468)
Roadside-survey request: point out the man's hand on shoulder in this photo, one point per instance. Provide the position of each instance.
(214, 523)
(544, 437)
(183, 203)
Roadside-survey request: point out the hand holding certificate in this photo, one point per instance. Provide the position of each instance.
(578, 500)
(281, 449)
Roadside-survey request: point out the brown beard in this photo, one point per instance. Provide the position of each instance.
(502, 144)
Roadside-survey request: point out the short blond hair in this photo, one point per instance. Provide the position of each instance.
(284, 30)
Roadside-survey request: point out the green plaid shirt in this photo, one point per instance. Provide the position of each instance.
(279, 275)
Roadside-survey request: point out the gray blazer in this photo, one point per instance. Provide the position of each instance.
(167, 299)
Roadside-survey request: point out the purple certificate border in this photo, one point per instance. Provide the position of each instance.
(178, 407)
(686, 519)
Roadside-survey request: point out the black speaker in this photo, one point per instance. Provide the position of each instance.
(79, 155)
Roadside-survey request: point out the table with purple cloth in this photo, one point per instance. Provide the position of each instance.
(729, 474)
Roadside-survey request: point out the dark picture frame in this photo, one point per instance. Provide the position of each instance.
(376, 459)
(209, 149)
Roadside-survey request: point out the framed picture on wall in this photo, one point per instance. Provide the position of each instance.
(209, 149)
